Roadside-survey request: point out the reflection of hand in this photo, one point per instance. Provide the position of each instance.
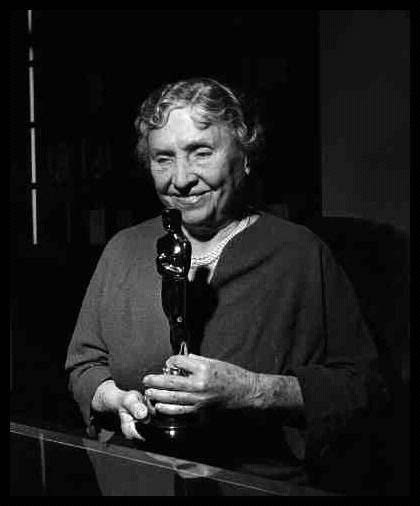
(168, 265)
(185, 468)
(210, 382)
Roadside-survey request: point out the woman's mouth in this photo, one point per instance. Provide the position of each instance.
(189, 200)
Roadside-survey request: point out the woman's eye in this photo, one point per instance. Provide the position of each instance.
(203, 154)
(162, 160)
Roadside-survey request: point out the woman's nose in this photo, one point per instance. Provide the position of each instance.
(183, 177)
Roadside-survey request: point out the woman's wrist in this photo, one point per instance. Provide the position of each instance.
(268, 391)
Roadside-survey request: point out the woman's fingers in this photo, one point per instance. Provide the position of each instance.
(128, 426)
(191, 363)
(168, 382)
(172, 396)
(132, 409)
(133, 403)
(174, 409)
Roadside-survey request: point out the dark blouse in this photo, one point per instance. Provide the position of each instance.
(278, 303)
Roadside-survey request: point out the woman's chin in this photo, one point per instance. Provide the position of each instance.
(199, 226)
(203, 229)
(195, 217)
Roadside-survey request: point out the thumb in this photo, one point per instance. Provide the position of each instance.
(187, 362)
(140, 411)
(135, 406)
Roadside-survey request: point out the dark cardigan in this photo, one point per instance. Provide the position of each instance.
(278, 303)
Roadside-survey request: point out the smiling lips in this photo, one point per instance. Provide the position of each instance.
(190, 200)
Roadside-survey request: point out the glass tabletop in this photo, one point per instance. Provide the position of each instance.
(53, 462)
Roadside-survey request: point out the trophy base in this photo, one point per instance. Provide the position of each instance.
(172, 434)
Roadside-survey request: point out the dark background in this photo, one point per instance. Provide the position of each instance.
(333, 90)
(92, 68)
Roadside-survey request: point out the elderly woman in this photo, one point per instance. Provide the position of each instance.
(284, 360)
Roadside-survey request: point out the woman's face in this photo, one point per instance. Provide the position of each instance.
(195, 168)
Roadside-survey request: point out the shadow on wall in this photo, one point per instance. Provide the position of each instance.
(375, 257)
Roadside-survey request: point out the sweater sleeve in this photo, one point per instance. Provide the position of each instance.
(345, 385)
(87, 354)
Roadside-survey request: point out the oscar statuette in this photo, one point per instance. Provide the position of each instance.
(173, 263)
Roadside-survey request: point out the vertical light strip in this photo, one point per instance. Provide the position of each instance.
(33, 156)
(43, 466)
(32, 117)
(34, 217)
(11, 344)
(31, 93)
(30, 21)
(32, 134)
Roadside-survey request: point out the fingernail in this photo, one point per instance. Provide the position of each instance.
(141, 412)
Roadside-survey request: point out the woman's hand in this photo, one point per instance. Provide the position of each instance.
(210, 382)
(129, 405)
(131, 409)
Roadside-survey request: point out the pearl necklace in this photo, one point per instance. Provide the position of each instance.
(213, 256)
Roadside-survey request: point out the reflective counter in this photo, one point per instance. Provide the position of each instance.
(50, 462)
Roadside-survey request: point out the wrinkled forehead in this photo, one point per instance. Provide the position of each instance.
(210, 124)
(184, 125)
(201, 117)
